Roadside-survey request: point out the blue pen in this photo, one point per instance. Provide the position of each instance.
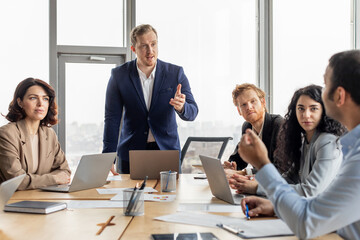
(167, 182)
(247, 212)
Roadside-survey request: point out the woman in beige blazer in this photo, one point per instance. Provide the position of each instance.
(28, 144)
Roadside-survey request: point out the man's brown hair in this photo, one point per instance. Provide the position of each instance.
(140, 30)
(239, 89)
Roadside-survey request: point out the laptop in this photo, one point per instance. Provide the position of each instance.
(91, 172)
(8, 188)
(218, 182)
(151, 162)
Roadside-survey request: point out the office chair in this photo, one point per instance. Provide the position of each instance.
(210, 146)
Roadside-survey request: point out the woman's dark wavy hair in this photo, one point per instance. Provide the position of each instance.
(16, 113)
(291, 133)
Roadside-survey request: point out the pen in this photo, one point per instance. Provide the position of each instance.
(136, 201)
(143, 184)
(167, 181)
(131, 201)
(229, 229)
(247, 212)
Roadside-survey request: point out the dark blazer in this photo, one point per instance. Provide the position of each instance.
(272, 124)
(124, 96)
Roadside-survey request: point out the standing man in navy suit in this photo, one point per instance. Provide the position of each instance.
(146, 93)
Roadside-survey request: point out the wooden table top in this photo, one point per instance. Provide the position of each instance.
(82, 223)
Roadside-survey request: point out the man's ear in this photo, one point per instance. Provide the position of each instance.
(132, 48)
(340, 96)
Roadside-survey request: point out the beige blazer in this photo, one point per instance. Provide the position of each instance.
(16, 156)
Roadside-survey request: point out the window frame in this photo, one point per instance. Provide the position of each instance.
(264, 47)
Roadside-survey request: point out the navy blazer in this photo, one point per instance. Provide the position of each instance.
(124, 96)
(272, 124)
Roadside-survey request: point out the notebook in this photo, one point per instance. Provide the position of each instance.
(91, 172)
(8, 188)
(151, 162)
(35, 207)
(218, 182)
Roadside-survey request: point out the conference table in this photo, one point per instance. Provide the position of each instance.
(83, 223)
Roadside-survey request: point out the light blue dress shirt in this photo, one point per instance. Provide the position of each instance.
(335, 209)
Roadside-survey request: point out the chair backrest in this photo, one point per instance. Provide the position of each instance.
(211, 146)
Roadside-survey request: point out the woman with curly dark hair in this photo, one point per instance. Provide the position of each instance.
(28, 144)
(308, 151)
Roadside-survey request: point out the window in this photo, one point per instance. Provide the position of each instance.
(215, 42)
(306, 34)
(24, 46)
(82, 87)
(90, 23)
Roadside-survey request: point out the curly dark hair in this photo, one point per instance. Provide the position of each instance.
(16, 113)
(291, 133)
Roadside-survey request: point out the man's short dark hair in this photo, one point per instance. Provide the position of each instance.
(346, 73)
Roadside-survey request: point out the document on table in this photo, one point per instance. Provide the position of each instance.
(208, 207)
(148, 197)
(114, 178)
(74, 204)
(246, 228)
(120, 190)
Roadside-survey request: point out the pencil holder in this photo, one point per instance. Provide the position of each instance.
(133, 202)
(168, 181)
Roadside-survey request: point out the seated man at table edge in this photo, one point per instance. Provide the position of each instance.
(250, 103)
(335, 209)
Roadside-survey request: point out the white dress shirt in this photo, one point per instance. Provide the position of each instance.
(337, 208)
(147, 84)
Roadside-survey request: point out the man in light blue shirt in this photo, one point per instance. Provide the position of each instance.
(337, 208)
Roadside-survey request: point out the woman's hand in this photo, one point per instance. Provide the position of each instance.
(62, 178)
(243, 184)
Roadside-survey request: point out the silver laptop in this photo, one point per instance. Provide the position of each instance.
(151, 162)
(218, 182)
(91, 172)
(8, 188)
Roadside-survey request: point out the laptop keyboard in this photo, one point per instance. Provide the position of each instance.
(62, 187)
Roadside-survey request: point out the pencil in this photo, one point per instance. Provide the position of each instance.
(105, 225)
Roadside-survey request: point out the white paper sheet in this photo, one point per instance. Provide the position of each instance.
(74, 204)
(258, 228)
(120, 190)
(114, 178)
(203, 207)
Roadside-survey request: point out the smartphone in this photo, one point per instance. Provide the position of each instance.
(185, 236)
(200, 176)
